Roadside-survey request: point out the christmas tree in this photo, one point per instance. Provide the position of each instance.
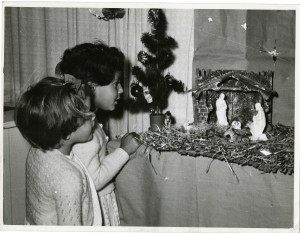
(153, 87)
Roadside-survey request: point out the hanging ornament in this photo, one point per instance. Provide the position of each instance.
(147, 95)
(143, 57)
(153, 16)
(136, 90)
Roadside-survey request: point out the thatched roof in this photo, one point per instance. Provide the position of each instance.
(244, 84)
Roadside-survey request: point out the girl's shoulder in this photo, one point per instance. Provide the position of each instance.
(52, 164)
(93, 146)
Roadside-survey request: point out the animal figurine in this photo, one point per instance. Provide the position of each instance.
(233, 136)
(188, 126)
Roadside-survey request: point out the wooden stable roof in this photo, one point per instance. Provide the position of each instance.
(244, 84)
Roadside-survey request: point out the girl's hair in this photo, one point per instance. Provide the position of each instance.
(50, 111)
(92, 62)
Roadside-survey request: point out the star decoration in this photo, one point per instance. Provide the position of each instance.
(245, 26)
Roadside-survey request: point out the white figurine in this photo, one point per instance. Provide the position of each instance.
(258, 125)
(188, 126)
(221, 110)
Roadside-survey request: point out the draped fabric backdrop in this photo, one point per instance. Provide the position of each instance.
(35, 39)
(231, 39)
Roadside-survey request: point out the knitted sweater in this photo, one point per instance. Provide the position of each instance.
(57, 190)
(101, 166)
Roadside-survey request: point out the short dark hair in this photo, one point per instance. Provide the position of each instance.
(92, 62)
(50, 111)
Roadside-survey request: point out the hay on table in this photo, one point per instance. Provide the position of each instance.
(208, 140)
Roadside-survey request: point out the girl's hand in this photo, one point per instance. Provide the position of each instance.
(130, 143)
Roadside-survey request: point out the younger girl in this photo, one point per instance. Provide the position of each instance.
(99, 68)
(52, 118)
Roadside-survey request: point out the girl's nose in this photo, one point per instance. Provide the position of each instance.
(120, 89)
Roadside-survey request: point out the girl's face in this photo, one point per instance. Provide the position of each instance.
(85, 132)
(106, 97)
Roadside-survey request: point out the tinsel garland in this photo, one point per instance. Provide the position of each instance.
(209, 141)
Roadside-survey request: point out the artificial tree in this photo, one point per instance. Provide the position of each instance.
(152, 88)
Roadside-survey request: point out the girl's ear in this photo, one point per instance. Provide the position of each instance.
(87, 101)
(60, 144)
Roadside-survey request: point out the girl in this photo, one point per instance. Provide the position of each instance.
(99, 68)
(52, 118)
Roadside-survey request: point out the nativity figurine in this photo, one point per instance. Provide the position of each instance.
(258, 125)
(221, 110)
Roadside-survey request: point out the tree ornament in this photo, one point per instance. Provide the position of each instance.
(147, 95)
(136, 90)
(143, 57)
(153, 16)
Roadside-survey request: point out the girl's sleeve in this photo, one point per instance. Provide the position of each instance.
(104, 171)
(68, 197)
(101, 167)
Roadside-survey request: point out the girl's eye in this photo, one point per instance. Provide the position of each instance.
(117, 83)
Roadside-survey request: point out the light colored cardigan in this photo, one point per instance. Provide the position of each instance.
(101, 166)
(57, 190)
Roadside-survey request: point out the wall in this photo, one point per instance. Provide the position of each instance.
(15, 153)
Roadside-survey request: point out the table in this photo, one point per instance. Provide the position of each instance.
(176, 191)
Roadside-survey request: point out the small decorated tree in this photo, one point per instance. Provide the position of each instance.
(152, 88)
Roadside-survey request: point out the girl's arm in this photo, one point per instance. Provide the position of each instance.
(101, 167)
(68, 198)
(102, 173)
(112, 163)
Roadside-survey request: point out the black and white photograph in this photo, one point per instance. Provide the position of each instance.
(149, 117)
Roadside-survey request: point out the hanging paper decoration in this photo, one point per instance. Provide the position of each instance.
(108, 13)
(272, 53)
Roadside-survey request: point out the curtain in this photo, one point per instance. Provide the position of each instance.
(235, 39)
(35, 39)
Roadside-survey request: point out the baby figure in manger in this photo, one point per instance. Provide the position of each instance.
(221, 110)
(258, 125)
